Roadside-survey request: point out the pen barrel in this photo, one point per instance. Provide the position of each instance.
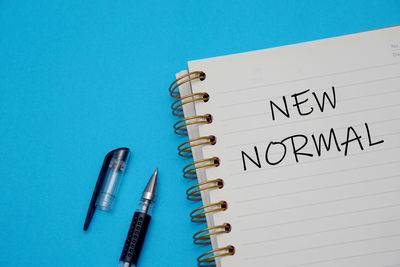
(135, 238)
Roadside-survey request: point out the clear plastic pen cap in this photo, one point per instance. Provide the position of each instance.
(112, 179)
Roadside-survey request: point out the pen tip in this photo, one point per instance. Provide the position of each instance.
(150, 190)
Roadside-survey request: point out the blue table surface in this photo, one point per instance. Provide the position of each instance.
(80, 78)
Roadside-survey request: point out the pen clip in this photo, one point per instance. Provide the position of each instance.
(99, 184)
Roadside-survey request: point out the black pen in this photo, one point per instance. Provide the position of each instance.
(139, 224)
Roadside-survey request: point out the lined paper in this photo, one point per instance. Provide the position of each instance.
(339, 208)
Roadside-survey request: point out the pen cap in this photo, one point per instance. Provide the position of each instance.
(114, 170)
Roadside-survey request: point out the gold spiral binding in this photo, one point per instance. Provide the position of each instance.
(177, 109)
(193, 192)
(173, 89)
(180, 127)
(199, 214)
(189, 171)
(185, 150)
(202, 237)
(208, 259)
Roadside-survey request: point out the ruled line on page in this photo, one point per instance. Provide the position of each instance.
(364, 96)
(280, 138)
(312, 119)
(314, 175)
(316, 203)
(349, 257)
(318, 218)
(318, 189)
(313, 132)
(317, 90)
(320, 232)
(305, 79)
(323, 246)
(313, 161)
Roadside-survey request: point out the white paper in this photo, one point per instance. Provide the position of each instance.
(327, 210)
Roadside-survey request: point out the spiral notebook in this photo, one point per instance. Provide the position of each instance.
(295, 152)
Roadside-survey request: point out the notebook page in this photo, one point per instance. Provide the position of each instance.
(293, 199)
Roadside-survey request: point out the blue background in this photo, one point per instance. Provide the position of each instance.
(80, 78)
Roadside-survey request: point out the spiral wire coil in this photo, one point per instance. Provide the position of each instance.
(180, 127)
(203, 236)
(194, 192)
